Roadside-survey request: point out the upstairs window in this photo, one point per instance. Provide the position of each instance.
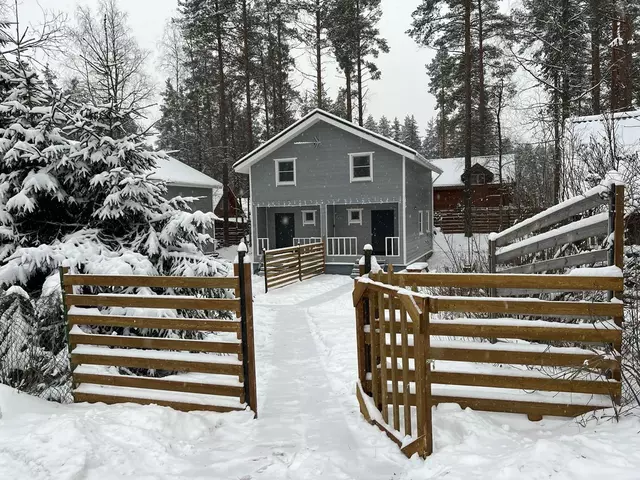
(286, 171)
(478, 179)
(308, 217)
(361, 167)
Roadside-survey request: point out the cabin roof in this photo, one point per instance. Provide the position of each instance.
(453, 168)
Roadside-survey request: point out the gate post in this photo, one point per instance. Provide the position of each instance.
(366, 320)
(243, 271)
(264, 261)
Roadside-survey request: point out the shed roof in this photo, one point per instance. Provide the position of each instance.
(175, 172)
(453, 168)
(623, 126)
(243, 165)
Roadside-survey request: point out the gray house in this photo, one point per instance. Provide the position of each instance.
(324, 178)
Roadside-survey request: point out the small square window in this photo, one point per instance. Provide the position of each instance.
(308, 217)
(354, 216)
(361, 167)
(286, 171)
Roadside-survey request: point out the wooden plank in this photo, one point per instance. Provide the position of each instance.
(375, 345)
(153, 343)
(181, 406)
(158, 384)
(501, 280)
(394, 361)
(586, 258)
(156, 363)
(572, 334)
(205, 325)
(543, 220)
(511, 406)
(423, 405)
(159, 301)
(555, 238)
(383, 355)
(405, 371)
(250, 358)
(360, 341)
(151, 281)
(618, 243)
(547, 359)
(526, 307)
(549, 384)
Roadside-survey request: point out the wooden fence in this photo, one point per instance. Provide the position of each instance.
(220, 369)
(284, 266)
(533, 245)
(409, 360)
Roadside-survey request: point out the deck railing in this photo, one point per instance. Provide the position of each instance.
(263, 244)
(342, 246)
(306, 240)
(392, 246)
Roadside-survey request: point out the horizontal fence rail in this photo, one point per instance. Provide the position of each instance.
(285, 266)
(411, 357)
(215, 373)
(342, 246)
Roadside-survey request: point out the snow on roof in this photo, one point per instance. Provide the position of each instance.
(174, 172)
(453, 168)
(624, 126)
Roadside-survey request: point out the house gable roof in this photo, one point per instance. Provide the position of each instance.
(174, 172)
(453, 169)
(244, 164)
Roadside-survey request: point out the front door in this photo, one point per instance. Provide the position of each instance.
(382, 226)
(285, 230)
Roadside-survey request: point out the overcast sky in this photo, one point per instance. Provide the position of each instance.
(402, 89)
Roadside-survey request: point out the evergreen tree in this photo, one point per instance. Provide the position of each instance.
(384, 127)
(431, 142)
(396, 130)
(371, 124)
(410, 133)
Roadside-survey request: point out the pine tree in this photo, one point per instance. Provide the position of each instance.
(410, 135)
(384, 127)
(371, 124)
(396, 130)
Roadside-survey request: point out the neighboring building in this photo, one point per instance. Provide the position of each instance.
(324, 178)
(185, 181)
(448, 191)
(238, 221)
(623, 127)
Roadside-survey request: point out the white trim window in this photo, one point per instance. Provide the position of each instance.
(309, 217)
(354, 216)
(428, 225)
(421, 222)
(285, 171)
(361, 167)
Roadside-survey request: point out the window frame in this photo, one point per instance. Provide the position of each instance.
(421, 223)
(305, 222)
(478, 176)
(428, 224)
(278, 161)
(353, 179)
(350, 221)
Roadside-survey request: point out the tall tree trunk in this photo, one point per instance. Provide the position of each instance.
(247, 76)
(482, 103)
(443, 119)
(467, 134)
(280, 75)
(319, 54)
(557, 154)
(499, 127)
(347, 74)
(265, 95)
(359, 65)
(596, 38)
(222, 105)
(616, 60)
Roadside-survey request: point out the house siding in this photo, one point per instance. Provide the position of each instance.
(419, 196)
(322, 172)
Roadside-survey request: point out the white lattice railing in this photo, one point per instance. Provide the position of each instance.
(392, 246)
(306, 240)
(263, 244)
(342, 246)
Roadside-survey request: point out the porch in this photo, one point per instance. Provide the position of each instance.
(345, 228)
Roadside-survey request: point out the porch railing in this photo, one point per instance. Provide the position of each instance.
(392, 246)
(342, 246)
(306, 240)
(263, 244)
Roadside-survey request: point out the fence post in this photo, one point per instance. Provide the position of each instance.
(299, 263)
(66, 290)
(246, 326)
(368, 360)
(492, 261)
(264, 263)
(423, 394)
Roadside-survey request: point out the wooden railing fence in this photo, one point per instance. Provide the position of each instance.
(224, 365)
(531, 246)
(422, 360)
(284, 266)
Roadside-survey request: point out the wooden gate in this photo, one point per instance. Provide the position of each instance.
(408, 359)
(284, 266)
(216, 373)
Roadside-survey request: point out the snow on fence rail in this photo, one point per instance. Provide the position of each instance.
(531, 246)
(220, 374)
(284, 266)
(403, 370)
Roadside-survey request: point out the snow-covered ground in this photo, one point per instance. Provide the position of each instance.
(309, 425)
